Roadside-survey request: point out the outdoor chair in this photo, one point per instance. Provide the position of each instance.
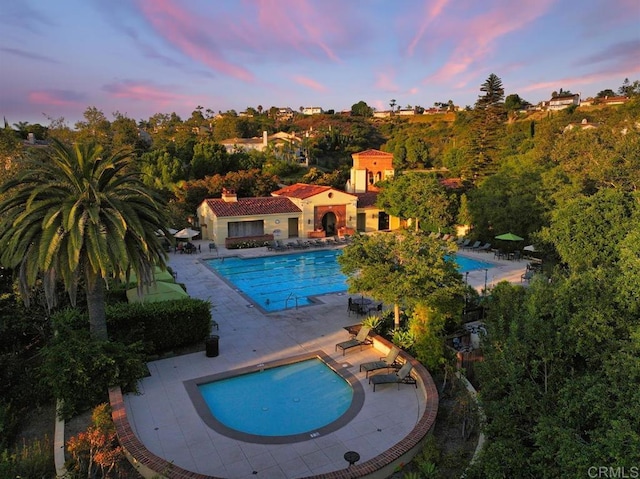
(528, 274)
(354, 307)
(403, 376)
(361, 340)
(302, 244)
(387, 362)
(484, 247)
(464, 243)
(473, 246)
(375, 309)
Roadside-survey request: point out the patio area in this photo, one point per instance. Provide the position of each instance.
(165, 420)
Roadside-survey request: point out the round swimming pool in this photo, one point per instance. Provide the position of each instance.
(292, 400)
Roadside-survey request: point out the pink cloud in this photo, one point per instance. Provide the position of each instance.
(385, 81)
(434, 9)
(299, 24)
(190, 35)
(476, 38)
(139, 91)
(308, 82)
(582, 80)
(63, 98)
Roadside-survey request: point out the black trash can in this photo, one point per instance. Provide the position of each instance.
(212, 346)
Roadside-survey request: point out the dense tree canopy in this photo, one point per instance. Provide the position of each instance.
(402, 269)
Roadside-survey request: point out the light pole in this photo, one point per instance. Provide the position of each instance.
(485, 281)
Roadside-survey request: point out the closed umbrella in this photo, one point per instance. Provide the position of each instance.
(158, 275)
(156, 292)
(186, 233)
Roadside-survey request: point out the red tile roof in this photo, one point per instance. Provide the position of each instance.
(372, 152)
(252, 206)
(300, 190)
(451, 183)
(367, 199)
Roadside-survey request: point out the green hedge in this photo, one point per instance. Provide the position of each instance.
(160, 326)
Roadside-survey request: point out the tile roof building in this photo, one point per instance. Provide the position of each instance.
(302, 210)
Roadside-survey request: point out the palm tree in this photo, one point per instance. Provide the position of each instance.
(80, 218)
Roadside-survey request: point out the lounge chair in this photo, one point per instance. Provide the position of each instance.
(473, 246)
(446, 237)
(464, 243)
(528, 274)
(399, 377)
(484, 247)
(302, 244)
(361, 339)
(386, 362)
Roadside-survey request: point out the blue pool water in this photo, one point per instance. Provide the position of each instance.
(285, 281)
(296, 398)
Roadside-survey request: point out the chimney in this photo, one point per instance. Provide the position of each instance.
(229, 196)
(264, 138)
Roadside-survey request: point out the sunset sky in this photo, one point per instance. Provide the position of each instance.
(142, 57)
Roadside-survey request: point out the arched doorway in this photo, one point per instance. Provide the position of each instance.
(329, 223)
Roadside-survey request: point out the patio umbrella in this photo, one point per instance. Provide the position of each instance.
(530, 248)
(509, 237)
(186, 233)
(160, 291)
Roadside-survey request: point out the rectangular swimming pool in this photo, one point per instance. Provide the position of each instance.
(278, 282)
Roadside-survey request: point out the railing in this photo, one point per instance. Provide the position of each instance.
(291, 296)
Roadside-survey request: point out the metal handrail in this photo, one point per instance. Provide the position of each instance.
(295, 298)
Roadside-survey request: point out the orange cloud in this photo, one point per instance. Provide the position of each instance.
(185, 32)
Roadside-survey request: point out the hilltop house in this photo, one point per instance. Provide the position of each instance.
(561, 102)
(301, 210)
(288, 145)
(311, 110)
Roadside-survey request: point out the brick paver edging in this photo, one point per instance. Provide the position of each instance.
(151, 466)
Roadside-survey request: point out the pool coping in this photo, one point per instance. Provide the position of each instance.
(210, 420)
(149, 465)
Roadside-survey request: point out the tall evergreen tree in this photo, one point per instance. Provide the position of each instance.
(488, 123)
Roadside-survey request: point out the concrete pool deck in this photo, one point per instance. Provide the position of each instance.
(165, 420)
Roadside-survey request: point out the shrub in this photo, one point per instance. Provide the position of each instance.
(96, 453)
(32, 460)
(373, 322)
(162, 326)
(9, 424)
(79, 369)
(159, 327)
(246, 244)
